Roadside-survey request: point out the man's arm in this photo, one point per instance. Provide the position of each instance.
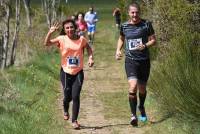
(96, 18)
(151, 42)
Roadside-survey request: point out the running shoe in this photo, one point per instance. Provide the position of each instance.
(143, 116)
(143, 119)
(134, 121)
(66, 116)
(76, 125)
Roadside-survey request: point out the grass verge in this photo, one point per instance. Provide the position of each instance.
(28, 97)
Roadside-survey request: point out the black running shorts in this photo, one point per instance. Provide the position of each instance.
(137, 69)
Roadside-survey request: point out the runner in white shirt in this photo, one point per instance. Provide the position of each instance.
(91, 19)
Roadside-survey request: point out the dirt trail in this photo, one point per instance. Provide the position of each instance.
(91, 113)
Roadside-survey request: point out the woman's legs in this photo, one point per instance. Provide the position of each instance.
(76, 89)
(67, 90)
(72, 85)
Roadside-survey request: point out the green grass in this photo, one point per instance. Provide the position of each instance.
(175, 79)
(29, 94)
(116, 105)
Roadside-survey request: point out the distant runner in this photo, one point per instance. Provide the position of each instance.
(137, 35)
(91, 19)
(117, 15)
(82, 25)
(71, 74)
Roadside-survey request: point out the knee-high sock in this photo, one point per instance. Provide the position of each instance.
(133, 102)
(142, 97)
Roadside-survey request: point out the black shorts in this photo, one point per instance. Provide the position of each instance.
(118, 21)
(137, 69)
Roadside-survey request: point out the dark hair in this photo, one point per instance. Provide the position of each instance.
(92, 7)
(81, 14)
(134, 4)
(65, 22)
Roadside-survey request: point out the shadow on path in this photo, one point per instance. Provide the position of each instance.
(101, 127)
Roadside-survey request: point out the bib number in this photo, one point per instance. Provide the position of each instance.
(133, 43)
(73, 61)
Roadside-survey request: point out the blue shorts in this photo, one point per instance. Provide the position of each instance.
(91, 29)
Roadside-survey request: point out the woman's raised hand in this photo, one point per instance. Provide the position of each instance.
(54, 27)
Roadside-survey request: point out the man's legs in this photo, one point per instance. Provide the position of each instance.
(142, 98)
(133, 95)
(131, 68)
(92, 38)
(89, 36)
(142, 82)
(133, 100)
(91, 33)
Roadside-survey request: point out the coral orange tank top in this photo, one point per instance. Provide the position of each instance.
(71, 53)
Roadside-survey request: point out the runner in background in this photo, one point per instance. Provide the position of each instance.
(81, 24)
(91, 19)
(117, 15)
(71, 48)
(74, 16)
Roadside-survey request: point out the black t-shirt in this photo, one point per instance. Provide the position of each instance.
(136, 34)
(117, 15)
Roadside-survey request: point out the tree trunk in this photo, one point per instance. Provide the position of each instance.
(1, 47)
(27, 9)
(47, 11)
(15, 37)
(59, 10)
(42, 5)
(54, 13)
(6, 20)
(51, 10)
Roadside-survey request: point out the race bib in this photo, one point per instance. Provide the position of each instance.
(73, 61)
(133, 43)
